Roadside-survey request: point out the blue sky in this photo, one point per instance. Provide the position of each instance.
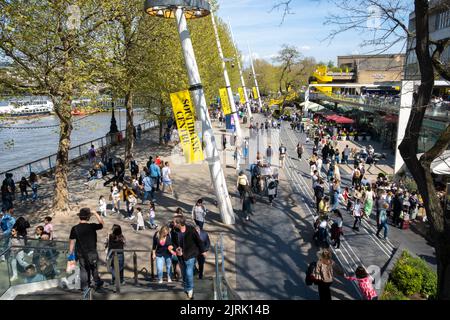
(252, 23)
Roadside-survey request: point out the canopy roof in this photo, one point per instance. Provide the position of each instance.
(440, 165)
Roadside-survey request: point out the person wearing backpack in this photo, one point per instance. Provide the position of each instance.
(319, 192)
(242, 181)
(324, 273)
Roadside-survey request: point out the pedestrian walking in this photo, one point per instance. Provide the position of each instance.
(34, 186)
(357, 214)
(149, 189)
(242, 181)
(383, 221)
(83, 241)
(364, 283)
(23, 185)
(140, 224)
(48, 227)
(283, 152)
(324, 273)
(152, 216)
(155, 173)
(115, 198)
(130, 201)
(336, 229)
(166, 178)
(204, 237)
(92, 155)
(162, 252)
(269, 154)
(300, 149)
(224, 142)
(199, 213)
(116, 241)
(102, 206)
(272, 188)
(247, 203)
(188, 247)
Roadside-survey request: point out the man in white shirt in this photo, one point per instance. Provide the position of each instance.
(346, 154)
(166, 179)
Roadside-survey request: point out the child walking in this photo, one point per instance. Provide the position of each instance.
(152, 216)
(140, 220)
(102, 206)
(364, 283)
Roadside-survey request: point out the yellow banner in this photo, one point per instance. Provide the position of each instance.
(224, 101)
(183, 113)
(255, 93)
(241, 95)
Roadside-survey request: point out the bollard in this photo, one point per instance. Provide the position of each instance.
(135, 268)
(117, 272)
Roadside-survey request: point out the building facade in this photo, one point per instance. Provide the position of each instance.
(439, 26)
(372, 69)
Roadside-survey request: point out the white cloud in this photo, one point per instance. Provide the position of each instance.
(305, 48)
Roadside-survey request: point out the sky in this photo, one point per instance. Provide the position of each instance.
(253, 23)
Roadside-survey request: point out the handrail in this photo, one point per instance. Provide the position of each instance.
(222, 288)
(26, 166)
(114, 255)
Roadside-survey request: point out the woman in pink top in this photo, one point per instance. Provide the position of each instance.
(364, 283)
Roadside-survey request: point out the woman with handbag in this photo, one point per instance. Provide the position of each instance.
(324, 273)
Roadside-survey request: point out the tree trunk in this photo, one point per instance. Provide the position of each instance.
(61, 196)
(130, 129)
(161, 119)
(420, 169)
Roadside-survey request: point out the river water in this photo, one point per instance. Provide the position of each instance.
(20, 146)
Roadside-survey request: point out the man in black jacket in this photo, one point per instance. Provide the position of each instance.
(188, 246)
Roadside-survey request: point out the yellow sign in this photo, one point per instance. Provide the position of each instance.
(224, 101)
(255, 93)
(183, 113)
(241, 95)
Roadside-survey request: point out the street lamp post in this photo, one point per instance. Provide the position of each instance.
(191, 9)
(254, 76)
(235, 116)
(249, 110)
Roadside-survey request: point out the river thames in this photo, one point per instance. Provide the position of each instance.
(20, 146)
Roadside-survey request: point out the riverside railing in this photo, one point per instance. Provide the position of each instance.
(48, 163)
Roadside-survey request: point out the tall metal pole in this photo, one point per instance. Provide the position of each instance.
(254, 76)
(212, 154)
(247, 103)
(237, 125)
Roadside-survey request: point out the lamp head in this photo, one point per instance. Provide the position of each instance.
(193, 9)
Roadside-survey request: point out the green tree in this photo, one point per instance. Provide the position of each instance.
(48, 43)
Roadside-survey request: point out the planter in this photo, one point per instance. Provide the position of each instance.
(360, 138)
(343, 138)
(351, 138)
(368, 138)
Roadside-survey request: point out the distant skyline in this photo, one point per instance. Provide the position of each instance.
(253, 23)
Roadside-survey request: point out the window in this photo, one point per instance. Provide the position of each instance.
(443, 20)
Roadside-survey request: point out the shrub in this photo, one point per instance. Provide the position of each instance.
(413, 275)
(406, 277)
(392, 293)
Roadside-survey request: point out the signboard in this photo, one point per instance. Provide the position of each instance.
(185, 118)
(241, 95)
(255, 93)
(225, 101)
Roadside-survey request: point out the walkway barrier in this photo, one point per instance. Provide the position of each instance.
(222, 288)
(113, 259)
(47, 164)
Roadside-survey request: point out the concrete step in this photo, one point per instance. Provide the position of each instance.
(144, 290)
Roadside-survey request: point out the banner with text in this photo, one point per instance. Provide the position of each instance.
(255, 93)
(224, 101)
(241, 95)
(184, 116)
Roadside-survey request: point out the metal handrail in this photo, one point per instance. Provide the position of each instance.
(114, 255)
(81, 155)
(222, 288)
